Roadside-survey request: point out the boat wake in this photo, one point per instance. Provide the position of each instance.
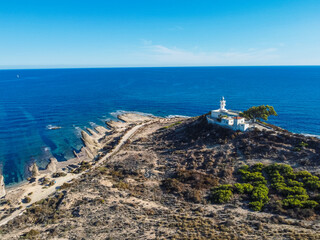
(53, 127)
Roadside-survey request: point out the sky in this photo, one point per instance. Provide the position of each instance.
(150, 33)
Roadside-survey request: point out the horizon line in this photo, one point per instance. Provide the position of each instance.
(48, 67)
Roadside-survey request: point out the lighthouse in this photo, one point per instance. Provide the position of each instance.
(223, 104)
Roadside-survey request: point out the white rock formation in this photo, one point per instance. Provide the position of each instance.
(34, 170)
(52, 166)
(102, 130)
(2, 187)
(91, 143)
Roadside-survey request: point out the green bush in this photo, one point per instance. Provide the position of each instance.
(297, 149)
(221, 194)
(257, 167)
(65, 186)
(58, 174)
(31, 234)
(83, 166)
(293, 183)
(243, 188)
(303, 144)
(244, 167)
(310, 204)
(256, 205)
(303, 174)
(292, 191)
(283, 169)
(311, 182)
(292, 203)
(260, 193)
(299, 197)
(299, 201)
(252, 177)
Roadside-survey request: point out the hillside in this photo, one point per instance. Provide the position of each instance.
(186, 179)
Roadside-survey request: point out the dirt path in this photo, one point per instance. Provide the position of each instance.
(38, 192)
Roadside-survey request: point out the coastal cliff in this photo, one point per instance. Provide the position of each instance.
(182, 178)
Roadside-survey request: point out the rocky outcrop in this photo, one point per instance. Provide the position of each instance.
(91, 144)
(34, 170)
(102, 130)
(52, 166)
(93, 133)
(2, 187)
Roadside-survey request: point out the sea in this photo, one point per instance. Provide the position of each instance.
(34, 102)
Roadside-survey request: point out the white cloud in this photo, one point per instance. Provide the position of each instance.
(173, 56)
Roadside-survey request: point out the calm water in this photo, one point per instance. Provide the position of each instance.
(78, 98)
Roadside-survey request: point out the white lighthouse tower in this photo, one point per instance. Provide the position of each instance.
(223, 104)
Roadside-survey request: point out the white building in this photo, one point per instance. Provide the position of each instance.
(227, 118)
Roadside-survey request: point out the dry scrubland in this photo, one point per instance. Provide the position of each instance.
(184, 179)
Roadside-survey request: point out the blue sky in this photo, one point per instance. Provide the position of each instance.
(118, 33)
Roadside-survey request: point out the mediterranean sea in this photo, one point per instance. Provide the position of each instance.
(32, 102)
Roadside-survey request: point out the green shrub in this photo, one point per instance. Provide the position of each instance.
(247, 176)
(299, 201)
(278, 186)
(83, 166)
(303, 144)
(310, 204)
(31, 234)
(256, 205)
(292, 203)
(243, 188)
(303, 174)
(299, 197)
(244, 167)
(283, 169)
(293, 183)
(311, 182)
(260, 193)
(297, 149)
(58, 174)
(221, 196)
(292, 191)
(258, 167)
(65, 186)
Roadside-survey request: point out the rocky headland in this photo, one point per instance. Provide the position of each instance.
(147, 177)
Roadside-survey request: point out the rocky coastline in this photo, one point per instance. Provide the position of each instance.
(146, 177)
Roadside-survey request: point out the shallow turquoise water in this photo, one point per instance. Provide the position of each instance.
(78, 98)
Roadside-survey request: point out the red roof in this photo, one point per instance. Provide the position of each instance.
(238, 117)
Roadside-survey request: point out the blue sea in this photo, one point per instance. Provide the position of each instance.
(33, 100)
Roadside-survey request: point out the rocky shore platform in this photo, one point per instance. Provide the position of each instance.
(145, 177)
(99, 143)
